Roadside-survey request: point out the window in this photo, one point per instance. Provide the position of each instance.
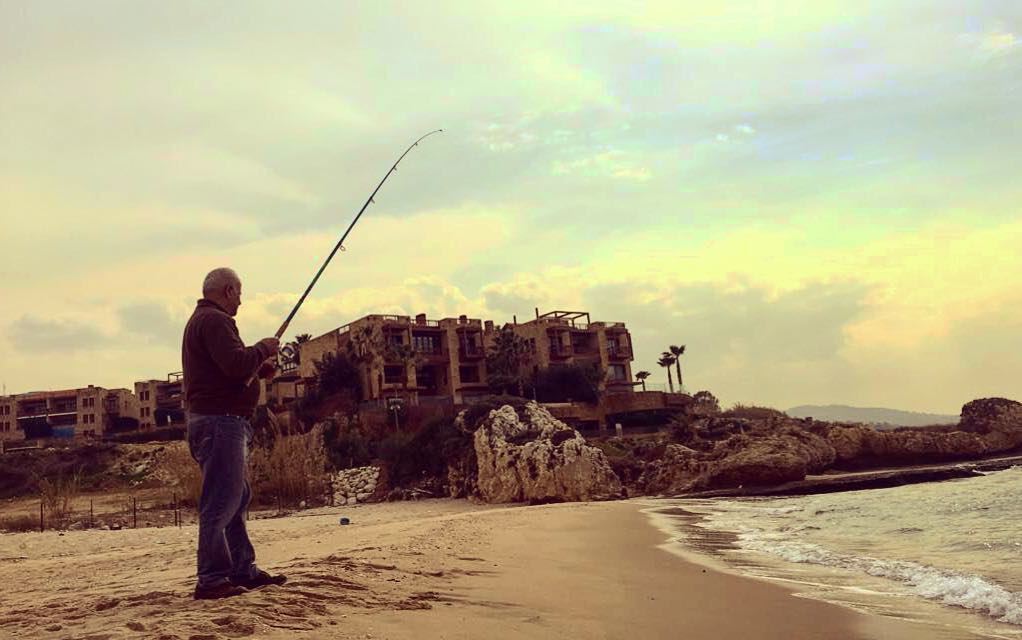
(617, 372)
(427, 344)
(393, 374)
(468, 373)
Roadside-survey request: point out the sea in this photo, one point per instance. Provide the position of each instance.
(947, 554)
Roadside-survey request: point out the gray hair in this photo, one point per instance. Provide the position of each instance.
(218, 279)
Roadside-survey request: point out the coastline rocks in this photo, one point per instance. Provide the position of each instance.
(770, 453)
(352, 486)
(987, 426)
(538, 458)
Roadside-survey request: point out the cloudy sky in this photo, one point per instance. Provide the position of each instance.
(819, 198)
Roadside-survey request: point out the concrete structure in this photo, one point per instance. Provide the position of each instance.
(161, 402)
(84, 412)
(413, 358)
(434, 362)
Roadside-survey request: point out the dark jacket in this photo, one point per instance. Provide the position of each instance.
(217, 364)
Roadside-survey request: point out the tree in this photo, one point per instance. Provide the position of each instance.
(407, 355)
(335, 372)
(505, 360)
(365, 348)
(641, 377)
(302, 338)
(667, 361)
(677, 352)
(568, 382)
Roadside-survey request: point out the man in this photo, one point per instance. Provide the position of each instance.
(220, 396)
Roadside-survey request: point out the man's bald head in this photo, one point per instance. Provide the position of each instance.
(223, 286)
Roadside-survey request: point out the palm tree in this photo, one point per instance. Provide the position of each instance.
(641, 377)
(665, 361)
(677, 352)
(302, 338)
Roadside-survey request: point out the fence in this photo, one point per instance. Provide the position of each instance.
(67, 512)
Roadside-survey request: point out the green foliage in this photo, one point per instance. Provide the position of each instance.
(410, 457)
(568, 382)
(336, 372)
(706, 402)
(480, 408)
(346, 446)
(751, 412)
(505, 362)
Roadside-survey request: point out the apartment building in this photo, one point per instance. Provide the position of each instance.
(421, 359)
(65, 413)
(161, 402)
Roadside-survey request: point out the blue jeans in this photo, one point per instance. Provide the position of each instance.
(220, 445)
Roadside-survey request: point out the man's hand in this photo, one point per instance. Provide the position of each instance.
(271, 344)
(267, 369)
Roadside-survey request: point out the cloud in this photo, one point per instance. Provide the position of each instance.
(65, 335)
(151, 322)
(991, 44)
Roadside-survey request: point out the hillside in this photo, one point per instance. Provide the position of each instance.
(869, 415)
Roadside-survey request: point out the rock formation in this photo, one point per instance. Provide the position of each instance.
(723, 451)
(535, 457)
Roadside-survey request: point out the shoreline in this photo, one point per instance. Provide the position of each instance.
(429, 569)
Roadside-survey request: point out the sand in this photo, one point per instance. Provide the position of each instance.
(430, 569)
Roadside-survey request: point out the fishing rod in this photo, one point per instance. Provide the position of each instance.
(340, 243)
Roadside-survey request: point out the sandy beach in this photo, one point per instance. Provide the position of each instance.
(430, 569)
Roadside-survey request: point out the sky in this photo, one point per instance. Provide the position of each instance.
(819, 199)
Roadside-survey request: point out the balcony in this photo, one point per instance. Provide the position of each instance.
(431, 353)
(560, 351)
(471, 352)
(618, 352)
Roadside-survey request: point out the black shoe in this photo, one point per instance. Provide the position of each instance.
(261, 579)
(222, 590)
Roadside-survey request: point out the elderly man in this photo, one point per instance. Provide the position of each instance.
(221, 393)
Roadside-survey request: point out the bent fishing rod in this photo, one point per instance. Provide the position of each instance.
(340, 243)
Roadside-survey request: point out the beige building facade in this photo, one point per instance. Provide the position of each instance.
(445, 360)
(67, 413)
(161, 402)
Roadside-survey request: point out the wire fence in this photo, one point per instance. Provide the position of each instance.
(101, 512)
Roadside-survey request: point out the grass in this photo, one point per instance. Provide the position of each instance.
(290, 469)
(18, 524)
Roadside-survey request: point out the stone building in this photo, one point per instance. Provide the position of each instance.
(161, 402)
(424, 361)
(67, 413)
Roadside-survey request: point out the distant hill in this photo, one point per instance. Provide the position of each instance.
(869, 415)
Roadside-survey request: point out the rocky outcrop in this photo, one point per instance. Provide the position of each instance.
(772, 452)
(987, 426)
(352, 486)
(536, 458)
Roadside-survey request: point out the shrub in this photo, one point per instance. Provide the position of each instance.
(185, 473)
(290, 470)
(481, 407)
(409, 457)
(346, 446)
(18, 524)
(58, 495)
(750, 412)
(568, 382)
(335, 372)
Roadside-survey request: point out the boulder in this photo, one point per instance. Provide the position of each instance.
(537, 458)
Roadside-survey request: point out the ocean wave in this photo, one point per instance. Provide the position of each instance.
(949, 587)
